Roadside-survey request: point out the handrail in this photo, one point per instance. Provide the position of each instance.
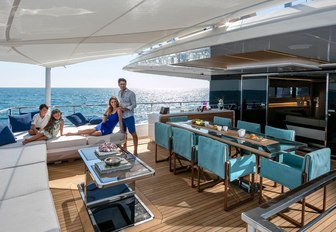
(138, 110)
(258, 218)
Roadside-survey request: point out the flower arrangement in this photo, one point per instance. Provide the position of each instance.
(220, 103)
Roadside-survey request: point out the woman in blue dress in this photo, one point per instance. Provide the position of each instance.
(111, 117)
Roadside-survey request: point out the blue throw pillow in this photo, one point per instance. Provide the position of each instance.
(31, 113)
(20, 122)
(95, 120)
(77, 119)
(6, 136)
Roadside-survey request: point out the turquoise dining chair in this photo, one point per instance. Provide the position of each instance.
(222, 121)
(249, 126)
(178, 119)
(281, 134)
(184, 148)
(214, 157)
(294, 170)
(163, 138)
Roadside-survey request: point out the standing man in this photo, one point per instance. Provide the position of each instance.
(127, 104)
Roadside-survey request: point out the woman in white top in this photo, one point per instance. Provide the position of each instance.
(40, 120)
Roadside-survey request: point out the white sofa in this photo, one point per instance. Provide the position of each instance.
(66, 147)
(26, 203)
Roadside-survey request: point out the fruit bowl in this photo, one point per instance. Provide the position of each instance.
(198, 122)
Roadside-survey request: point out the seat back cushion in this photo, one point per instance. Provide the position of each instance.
(20, 122)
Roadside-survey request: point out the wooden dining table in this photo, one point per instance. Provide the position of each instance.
(257, 143)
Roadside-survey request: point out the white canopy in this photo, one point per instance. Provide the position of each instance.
(53, 33)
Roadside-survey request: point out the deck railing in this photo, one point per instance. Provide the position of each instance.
(258, 218)
(141, 111)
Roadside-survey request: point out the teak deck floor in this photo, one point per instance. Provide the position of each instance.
(176, 206)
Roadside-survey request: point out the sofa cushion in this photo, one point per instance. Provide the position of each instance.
(23, 155)
(95, 120)
(66, 142)
(77, 119)
(117, 138)
(20, 122)
(29, 213)
(23, 180)
(6, 135)
(31, 113)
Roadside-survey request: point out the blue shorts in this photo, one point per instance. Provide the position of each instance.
(129, 123)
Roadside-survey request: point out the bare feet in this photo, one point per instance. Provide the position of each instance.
(24, 142)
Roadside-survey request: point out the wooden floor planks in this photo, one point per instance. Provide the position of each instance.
(177, 206)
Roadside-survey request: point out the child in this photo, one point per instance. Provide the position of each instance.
(40, 120)
(51, 130)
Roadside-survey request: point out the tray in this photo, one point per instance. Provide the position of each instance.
(255, 137)
(103, 154)
(103, 168)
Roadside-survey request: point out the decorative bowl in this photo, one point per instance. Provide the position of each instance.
(112, 161)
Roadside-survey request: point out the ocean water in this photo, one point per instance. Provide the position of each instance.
(69, 100)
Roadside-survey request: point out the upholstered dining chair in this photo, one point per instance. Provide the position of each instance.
(214, 157)
(295, 170)
(281, 134)
(163, 138)
(249, 126)
(178, 119)
(184, 148)
(222, 121)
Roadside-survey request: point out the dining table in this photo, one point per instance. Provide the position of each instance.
(257, 143)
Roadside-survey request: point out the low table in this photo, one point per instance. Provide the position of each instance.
(108, 197)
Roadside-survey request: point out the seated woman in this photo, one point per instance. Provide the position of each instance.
(54, 125)
(111, 117)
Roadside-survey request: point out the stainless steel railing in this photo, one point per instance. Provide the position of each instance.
(141, 112)
(258, 218)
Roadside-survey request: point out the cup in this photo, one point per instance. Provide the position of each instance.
(219, 128)
(225, 128)
(241, 132)
(206, 124)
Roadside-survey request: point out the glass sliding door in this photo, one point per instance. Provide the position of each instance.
(254, 99)
(331, 128)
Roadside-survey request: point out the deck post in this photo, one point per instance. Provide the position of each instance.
(48, 87)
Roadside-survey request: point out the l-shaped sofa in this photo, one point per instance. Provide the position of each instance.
(26, 203)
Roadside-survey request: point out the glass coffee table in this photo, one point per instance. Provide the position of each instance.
(110, 197)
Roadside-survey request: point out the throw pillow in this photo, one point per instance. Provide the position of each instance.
(31, 113)
(20, 122)
(6, 136)
(77, 119)
(95, 120)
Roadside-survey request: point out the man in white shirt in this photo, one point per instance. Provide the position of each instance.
(40, 120)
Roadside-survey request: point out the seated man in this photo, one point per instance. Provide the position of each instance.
(40, 120)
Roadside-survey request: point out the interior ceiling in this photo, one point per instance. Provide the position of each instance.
(253, 60)
(53, 33)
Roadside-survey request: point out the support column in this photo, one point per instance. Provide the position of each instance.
(48, 87)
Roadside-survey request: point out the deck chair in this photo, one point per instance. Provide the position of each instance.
(295, 170)
(184, 148)
(214, 157)
(163, 138)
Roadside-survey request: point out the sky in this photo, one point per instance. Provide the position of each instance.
(102, 73)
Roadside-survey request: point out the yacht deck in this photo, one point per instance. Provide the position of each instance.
(176, 206)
